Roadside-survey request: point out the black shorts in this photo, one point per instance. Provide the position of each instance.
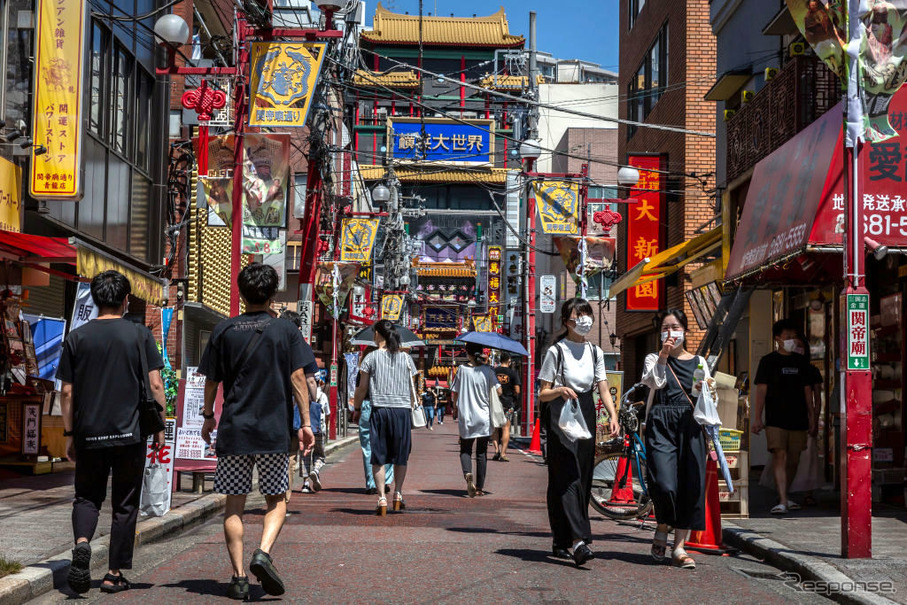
(390, 432)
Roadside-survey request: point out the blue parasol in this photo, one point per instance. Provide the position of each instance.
(493, 340)
(712, 431)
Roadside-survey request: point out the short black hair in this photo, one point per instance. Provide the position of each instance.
(109, 289)
(258, 283)
(781, 325)
(292, 316)
(504, 356)
(678, 314)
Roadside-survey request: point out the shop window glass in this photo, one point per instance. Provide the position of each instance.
(143, 119)
(97, 66)
(140, 219)
(119, 102)
(117, 199)
(18, 55)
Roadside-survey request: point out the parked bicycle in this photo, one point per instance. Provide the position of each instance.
(619, 478)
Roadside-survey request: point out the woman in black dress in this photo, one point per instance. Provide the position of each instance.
(675, 444)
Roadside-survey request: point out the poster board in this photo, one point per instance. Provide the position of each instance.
(189, 456)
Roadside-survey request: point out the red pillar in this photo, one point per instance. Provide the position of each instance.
(529, 323)
(462, 81)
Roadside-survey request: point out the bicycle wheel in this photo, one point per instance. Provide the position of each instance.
(611, 494)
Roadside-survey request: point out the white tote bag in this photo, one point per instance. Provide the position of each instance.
(571, 421)
(418, 412)
(498, 420)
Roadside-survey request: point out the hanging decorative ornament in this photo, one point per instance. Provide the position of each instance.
(203, 100)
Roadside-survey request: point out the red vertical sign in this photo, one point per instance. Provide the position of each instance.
(494, 286)
(644, 230)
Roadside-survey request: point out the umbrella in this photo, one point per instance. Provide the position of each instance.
(712, 431)
(493, 340)
(366, 338)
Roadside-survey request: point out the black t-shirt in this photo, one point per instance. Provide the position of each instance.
(428, 400)
(509, 379)
(785, 402)
(101, 360)
(257, 416)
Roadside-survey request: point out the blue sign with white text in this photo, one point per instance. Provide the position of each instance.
(444, 140)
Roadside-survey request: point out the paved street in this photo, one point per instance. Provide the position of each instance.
(445, 548)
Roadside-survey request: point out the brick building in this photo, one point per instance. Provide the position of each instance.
(667, 63)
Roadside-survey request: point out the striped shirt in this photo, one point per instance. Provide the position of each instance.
(389, 378)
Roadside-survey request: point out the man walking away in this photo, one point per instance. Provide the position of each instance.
(261, 363)
(782, 390)
(510, 397)
(103, 382)
(313, 462)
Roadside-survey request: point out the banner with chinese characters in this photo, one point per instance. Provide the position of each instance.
(31, 429)
(57, 120)
(357, 238)
(442, 140)
(284, 77)
(644, 229)
(10, 196)
(857, 331)
(599, 255)
(494, 284)
(391, 307)
(558, 206)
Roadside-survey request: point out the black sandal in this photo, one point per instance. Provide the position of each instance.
(117, 583)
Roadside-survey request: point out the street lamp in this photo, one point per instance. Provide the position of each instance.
(381, 194)
(627, 176)
(530, 150)
(172, 30)
(328, 7)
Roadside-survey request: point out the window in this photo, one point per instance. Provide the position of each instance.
(649, 82)
(98, 69)
(635, 7)
(121, 93)
(145, 85)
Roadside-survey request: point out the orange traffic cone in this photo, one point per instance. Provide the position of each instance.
(622, 492)
(710, 538)
(535, 446)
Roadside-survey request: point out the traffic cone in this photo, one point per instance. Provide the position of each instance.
(535, 446)
(622, 492)
(710, 538)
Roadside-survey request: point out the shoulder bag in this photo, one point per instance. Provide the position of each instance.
(247, 352)
(705, 410)
(418, 412)
(150, 421)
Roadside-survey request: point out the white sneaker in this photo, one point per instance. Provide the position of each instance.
(791, 505)
(779, 509)
(316, 481)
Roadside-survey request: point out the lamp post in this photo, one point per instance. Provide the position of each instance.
(530, 150)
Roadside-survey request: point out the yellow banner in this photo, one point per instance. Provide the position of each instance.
(357, 239)
(558, 206)
(482, 323)
(90, 263)
(284, 75)
(391, 306)
(10, 196)
(57, 122)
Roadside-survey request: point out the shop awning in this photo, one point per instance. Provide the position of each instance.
(727, 85)
(668, 261)
(37, 248)
(782, 24)
(92, 261)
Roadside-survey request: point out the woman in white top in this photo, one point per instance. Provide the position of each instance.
(572, 369)
(471, 391)
(675, 445)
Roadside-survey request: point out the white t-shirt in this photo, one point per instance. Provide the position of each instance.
(473, 386)
(581, 371)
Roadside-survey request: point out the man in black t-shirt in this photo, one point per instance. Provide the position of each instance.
(102, 375)
(510, 393)
(261, 362)
(783, 391)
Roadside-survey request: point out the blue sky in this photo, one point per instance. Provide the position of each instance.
(568, 29)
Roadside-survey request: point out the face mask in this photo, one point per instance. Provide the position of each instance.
(790, 345)
(582, 325)
(677, 335)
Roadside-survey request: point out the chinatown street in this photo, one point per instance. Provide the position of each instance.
(445, 548)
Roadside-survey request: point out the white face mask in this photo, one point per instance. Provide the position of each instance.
(582, 325)
(790, 345)
(677, 335)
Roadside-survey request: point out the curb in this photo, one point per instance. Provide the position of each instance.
(808, 567)
(40, 578)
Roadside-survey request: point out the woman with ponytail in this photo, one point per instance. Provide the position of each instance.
(471, 392)
(386, 378)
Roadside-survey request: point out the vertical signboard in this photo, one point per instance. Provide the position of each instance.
(494, 285)
(644, 230)
(547, 293)
(10, 196)
(284, 75)
(857, 331)
(31, 429)
(57, 121)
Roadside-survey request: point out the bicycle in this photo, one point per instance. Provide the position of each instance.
(619, 476)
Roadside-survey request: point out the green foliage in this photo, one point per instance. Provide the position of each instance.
(171, 386)
(8, 567)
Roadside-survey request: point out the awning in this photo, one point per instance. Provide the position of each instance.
(668, 261)
(92, 261)
(728, 84)
(795, 202)
(782, 24)
(37, 248)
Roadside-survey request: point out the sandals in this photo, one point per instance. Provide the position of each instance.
(117, 584)
(660, 546)
(470, 486)
(680, 558)
(381, 509)
(399, 504)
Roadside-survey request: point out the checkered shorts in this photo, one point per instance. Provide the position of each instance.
(234, 474)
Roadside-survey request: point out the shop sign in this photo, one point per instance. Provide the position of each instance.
(191, 446)
(333, 375)
(494, 283)
(10, 196)
(57, 121)
(857, 331)
(558, 206)
(482, 323)
(305, 308)
(284, 76)
(644, 230)
(357, 239)
(31, 429)
(442, 140)
(440, 318)
(547, 293)
(391, 306)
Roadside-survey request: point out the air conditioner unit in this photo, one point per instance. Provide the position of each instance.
(746, 96)
(770, 73)
(729, 113)
(796, 49)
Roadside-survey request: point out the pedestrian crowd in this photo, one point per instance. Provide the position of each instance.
(275, 415)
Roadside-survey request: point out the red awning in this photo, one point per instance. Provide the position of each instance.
(795, 201)
(37, 248)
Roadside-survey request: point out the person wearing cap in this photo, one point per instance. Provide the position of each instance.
(313, 462)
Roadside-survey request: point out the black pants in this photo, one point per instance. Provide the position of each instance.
(675, 456)
(570, 465)
(481, 458)
(127, 463)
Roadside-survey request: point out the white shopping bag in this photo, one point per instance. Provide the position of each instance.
(154, 491)
(571, 421)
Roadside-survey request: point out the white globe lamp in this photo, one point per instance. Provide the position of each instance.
(172, 30)
(381, 194)
(627, 176)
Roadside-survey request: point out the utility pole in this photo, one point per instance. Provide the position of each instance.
(529, 256)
